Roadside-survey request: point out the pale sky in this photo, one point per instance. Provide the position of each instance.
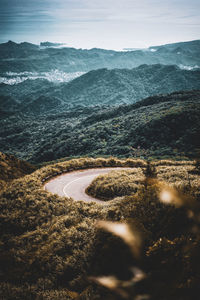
(109, 24)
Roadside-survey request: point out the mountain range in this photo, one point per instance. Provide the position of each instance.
(29, 57)
(159, 126)
(59, 103)
(101, 87)
(100, 112)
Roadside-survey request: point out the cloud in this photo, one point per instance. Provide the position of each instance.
(107, 22)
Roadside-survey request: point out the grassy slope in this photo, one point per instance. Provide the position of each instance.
(49, 245)
(12, 168)
(116, 183)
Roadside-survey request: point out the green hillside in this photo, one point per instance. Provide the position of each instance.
(97, 88)
(159, 126)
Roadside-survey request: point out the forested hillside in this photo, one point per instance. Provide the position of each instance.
(96, 88)
(159, 126)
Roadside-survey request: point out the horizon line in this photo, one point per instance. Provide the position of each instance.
(85, 48)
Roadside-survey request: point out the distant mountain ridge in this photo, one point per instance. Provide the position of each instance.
(28, 57)
(100, 112)
(192, 46)
(101, 87)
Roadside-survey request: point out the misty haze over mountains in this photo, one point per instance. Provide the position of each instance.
(97, 88)
(55, 76)
(53, 86)
(26, 57)
(57, 63)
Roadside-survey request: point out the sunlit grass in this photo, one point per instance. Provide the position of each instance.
(48, 242)
(123, 230)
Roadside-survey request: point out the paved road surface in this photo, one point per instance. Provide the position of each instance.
(73, 184)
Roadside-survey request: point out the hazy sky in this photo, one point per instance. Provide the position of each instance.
(113, 24)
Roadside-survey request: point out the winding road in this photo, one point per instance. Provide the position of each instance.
(73, 184)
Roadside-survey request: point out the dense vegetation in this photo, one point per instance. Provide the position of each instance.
(159, 126)
(144, 241)
(116, 183)
(12, 168)
(50, 246)
(99, 87)
(128, 182)
(28, 57)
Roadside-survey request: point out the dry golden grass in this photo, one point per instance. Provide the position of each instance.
(126, 182)
(12, 168)
(181, 177)
(116, 184)
(49, 245)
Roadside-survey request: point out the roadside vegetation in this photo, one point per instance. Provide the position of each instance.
(116, 183)
(12, 168)
(52, 247)
(126, 182)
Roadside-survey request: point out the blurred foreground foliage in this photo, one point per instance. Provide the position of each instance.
(145, 247)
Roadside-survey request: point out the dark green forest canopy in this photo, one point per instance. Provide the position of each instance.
(96, 88)
(159, 126)
(102, 111)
